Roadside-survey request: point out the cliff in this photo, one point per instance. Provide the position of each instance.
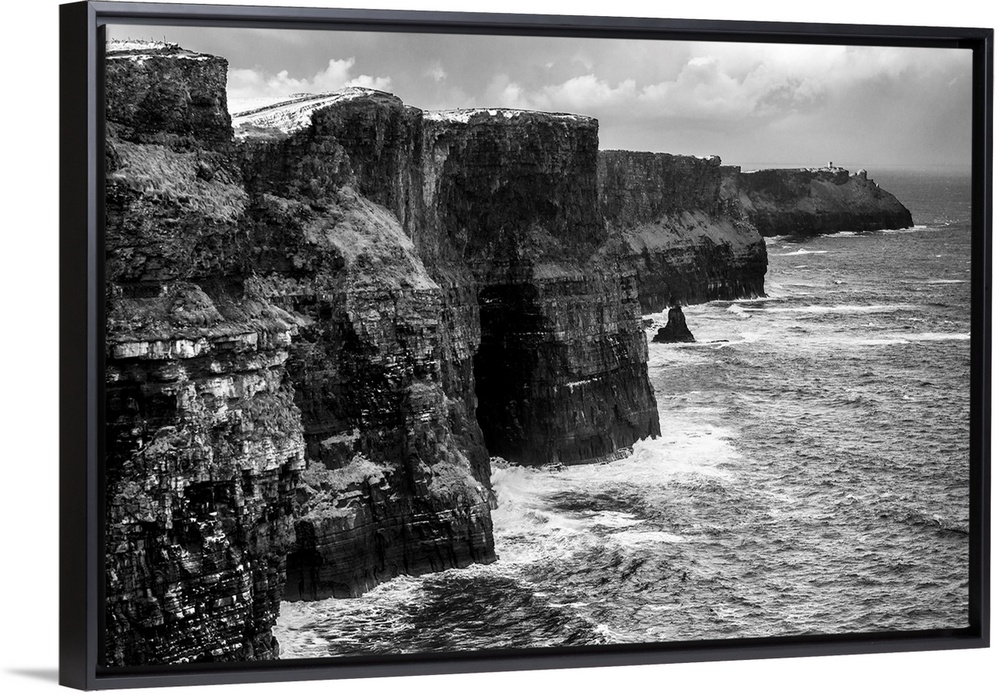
(398, 479)
(317, 335)
(502, 208)
(277, 415)
(686, 244)
(514, 194)
(323, 321)
(203, 438)
(812, 201)
(160, 91)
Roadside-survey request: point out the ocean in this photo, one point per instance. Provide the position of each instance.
(812, 476)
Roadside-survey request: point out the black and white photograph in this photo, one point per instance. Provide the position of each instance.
(577, 347)
(427, 343)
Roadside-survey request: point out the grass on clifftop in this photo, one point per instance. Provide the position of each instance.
(196, 180)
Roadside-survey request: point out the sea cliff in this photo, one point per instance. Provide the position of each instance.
(324, 317)
(686, 244)
(812, 201)
(316, 339)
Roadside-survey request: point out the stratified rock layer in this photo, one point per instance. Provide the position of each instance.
(203, 439)
(560, 373)
(686, 243)
(305, 331)
(157, 91)
(252, 332)
(813, 201)
(392, 485)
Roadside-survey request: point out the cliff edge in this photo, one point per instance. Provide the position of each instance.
(674, 227)
(812, 201)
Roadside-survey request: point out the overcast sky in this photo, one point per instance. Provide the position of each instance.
(752, 104)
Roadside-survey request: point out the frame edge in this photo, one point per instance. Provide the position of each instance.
(79, 298)
(77, 231)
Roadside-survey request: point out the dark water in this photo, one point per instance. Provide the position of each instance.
(812, 475)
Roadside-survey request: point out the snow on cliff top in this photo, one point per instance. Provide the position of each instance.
(287, 114)
(464, 115)
(140, 49)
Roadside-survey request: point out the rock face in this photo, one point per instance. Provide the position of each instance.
(157, 91)
(318, 334)
(813, 201)
(305, 331)
(204, 440)
(676, 329)
(560, 372)
(398, 478)
(684, 240)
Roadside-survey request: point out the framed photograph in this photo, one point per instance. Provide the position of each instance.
(422, 342)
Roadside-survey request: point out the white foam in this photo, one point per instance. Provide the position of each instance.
(910, 230)
(844, 308)
(639, 537)
(939, 337)
(529, 527)
(614, 519)
(878, 342)
(935, 281)
(802, 251)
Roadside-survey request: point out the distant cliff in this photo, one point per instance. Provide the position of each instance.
(812, 201)
(685, 242)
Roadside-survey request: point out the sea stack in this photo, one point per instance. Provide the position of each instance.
(676, 329)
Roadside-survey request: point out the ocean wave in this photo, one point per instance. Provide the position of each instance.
(934, 281)
(878, 341)
(845, 308)
(937, 337)
(641, 537)
(802, 251)
(911, 230)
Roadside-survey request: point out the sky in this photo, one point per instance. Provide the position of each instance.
(872, 107)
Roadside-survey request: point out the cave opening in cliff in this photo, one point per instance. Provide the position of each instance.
(503, 367)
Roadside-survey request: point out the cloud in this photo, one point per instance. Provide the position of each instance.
(249, 83)
(436, 73)
(726, 83)
(752, 102)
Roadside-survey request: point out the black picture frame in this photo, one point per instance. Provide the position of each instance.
(81, 338)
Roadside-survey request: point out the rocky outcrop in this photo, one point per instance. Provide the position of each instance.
(203, 438)
(502, 208)
(160, 91)
(676, 329)
(684, 240)
(560, 372)
(277, 402)
(305, 332)
(812, 201)
(396, 480)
